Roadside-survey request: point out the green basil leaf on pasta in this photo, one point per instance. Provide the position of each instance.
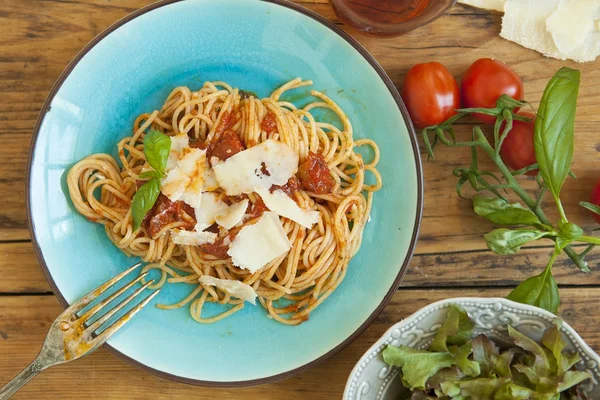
(554, 135)
(157, 147)
(143, 200)
(150, 175)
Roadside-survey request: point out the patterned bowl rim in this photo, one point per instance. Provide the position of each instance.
(583, 347)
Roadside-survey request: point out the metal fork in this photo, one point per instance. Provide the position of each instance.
(72, 336)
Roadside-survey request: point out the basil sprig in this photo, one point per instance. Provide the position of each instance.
(157, 147)
(524, 221)
(554, 134)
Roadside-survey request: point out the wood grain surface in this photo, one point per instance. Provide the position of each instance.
(38, 38)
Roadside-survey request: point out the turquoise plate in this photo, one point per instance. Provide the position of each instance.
(255, 45)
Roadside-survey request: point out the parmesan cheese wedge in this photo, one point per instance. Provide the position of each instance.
(234, 288)
(494, 5)
(232, 215)
(193, 238)
(283, 205)
(210, 207)
(572, 28)
(258, 244)
(524, 22)
(243, 172)
(173, 185)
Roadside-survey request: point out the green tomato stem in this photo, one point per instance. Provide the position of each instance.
(589, 239)
(519, 191)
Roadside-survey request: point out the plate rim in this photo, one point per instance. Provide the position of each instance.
(394, 285)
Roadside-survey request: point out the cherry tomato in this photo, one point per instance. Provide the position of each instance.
(596, 200)
(517, 149)
(430, 93)
(486, 80)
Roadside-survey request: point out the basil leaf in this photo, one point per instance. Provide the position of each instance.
(554, 136)
(150, 175)
(157, 147)
(540, 290)
(501, 212)
(589, 206)
(569, 230)
(143, 200)
(507, 241)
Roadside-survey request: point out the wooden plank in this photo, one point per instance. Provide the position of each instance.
(22, 274)
(34, 57)
(25, 320)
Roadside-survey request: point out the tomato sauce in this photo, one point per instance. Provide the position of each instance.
(269, 123)
(314, 174)
(226, 146)
(165, 212)
(291, 187)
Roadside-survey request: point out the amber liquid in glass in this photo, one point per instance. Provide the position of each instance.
(389, 17)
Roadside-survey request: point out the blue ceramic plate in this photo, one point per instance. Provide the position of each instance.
(255, 45)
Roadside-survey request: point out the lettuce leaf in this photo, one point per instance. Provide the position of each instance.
(421, 364)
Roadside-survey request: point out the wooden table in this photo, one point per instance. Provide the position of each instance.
(38, 39)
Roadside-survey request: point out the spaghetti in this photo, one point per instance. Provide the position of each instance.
(290, 286)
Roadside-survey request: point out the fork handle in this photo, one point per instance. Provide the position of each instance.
(20, 380)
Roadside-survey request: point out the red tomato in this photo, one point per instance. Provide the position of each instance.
(596, 200)
(486, 80)
(517, 149)
(430, 93)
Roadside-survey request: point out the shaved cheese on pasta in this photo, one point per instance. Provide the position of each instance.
(234, 288)
(193, 163)
(210, 207)
(210, 182)
(283, 205)
(244, 172)
(193, 238)
(232, 215)
(174, 184)
(258, 244)
(178, 143)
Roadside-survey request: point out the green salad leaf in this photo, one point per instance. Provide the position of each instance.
(477, 369)
(422, 364)
(456, 330)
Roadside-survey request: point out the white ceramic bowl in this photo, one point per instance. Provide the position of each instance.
(373, 379)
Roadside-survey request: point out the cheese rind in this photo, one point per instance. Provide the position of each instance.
(232, 215)
(234, 288)
(244, 172)
(188, 238)
(258, 244)
(283, 205)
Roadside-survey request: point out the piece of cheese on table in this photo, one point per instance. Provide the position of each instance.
(573, 28)
(281, 204)
(494, 5)
(234, 288)
(258, 244)
(243, 172)
(524, 22)
(232, 215)
(193, 238)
